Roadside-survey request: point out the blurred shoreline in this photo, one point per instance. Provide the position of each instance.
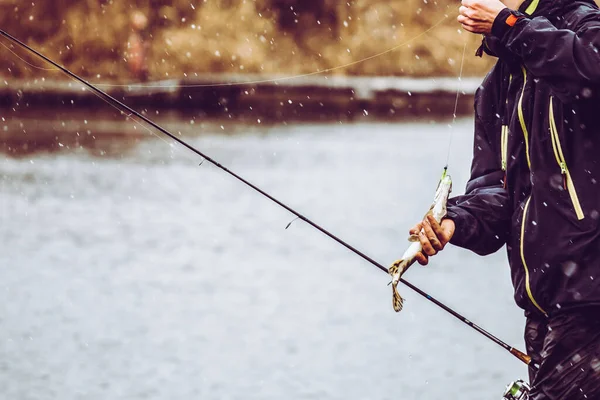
(226, 96)
(164, 39)
(48, 112)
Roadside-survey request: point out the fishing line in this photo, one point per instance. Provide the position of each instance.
(94, 93)
(255, 82)
(451, 126)
(129, 117)
(25, 61)
(515, 352)
(324, 71)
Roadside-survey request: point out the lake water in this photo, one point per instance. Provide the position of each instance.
(134, 273)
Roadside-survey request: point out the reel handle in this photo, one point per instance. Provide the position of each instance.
(518, 390)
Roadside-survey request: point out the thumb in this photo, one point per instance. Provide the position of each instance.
(448, 227)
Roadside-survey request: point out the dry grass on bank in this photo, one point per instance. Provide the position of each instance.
(281, 37)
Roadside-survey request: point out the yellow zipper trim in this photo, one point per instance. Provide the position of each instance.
(504, 145)
(522, 118)
(560, 159)
(532, 7)
(504, 136)
(527, 285)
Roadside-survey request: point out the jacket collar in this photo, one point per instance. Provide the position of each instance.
(549, 8)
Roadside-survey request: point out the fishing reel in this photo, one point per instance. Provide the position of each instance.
(518, 390)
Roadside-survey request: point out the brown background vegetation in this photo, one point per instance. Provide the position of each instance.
(281, 37)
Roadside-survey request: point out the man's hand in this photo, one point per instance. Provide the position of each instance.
(433, 238)
(477, 16)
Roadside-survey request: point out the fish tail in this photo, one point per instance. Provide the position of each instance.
(397, 300)
(396, 271)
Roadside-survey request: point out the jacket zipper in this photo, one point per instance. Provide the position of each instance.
(522, 117)
(564, 170)
(504, 151)
(526, 208)
(504, 139)
(527, 284)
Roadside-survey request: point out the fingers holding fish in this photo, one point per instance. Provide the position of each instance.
(443, 231)
(426, 245)
(422, 259)
(432, 236)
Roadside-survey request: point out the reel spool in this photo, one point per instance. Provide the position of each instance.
(518, 390)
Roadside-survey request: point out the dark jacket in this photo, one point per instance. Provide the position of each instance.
(535, 177)
(567, 350)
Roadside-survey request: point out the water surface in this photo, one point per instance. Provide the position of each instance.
(137, 274)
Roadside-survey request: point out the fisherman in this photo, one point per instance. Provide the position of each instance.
(138, 46)
(535, 180)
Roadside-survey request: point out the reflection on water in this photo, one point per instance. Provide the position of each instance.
(135, 273)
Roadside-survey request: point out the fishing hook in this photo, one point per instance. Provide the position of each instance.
(291, 222)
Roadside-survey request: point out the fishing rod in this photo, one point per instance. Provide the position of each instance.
(119, 105)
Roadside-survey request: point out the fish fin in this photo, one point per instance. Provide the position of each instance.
(396, 271)
(413, 238)
(397, 300)
(395, 267)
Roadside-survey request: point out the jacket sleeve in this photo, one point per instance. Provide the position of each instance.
(548, 52)
(482, 215)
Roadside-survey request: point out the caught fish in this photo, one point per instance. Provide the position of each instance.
(438, 210)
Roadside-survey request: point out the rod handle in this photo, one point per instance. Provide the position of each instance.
(521, 356)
